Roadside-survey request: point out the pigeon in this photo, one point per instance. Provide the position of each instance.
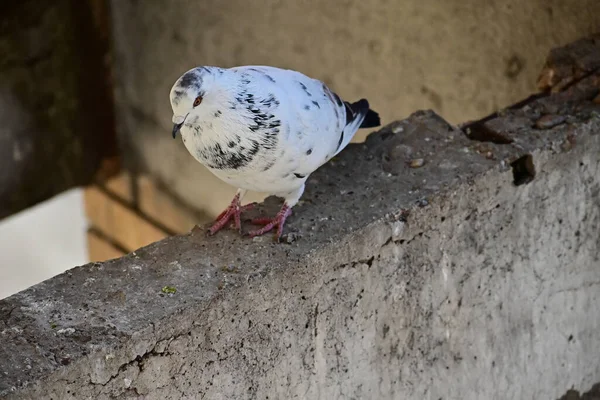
(264, 129)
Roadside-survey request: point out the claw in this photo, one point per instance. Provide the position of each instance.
(270, 223)
(261, 221)
(234, 210)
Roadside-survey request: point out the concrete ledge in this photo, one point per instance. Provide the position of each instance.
(475, 276)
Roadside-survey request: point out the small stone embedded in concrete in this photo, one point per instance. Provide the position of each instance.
(290, 237)
(417, 162)
(568, 143)
(422, 203)
(66, 331)
(484, 149)
(549, 121)
(397, 129)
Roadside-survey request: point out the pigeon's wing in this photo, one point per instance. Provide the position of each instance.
(318, 122)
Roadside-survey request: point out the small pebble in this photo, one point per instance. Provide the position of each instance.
(549, 121)
(566, 145)
(422, 203)
(66, 331)
(290, 238)
(417, 163)
(397, 129)
(489, 155)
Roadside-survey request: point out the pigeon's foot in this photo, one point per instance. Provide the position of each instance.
(270, 223)
(234, 210)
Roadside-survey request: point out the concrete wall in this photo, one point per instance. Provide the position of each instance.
(462, 59)
(450, 282)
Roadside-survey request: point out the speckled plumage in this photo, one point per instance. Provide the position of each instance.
(262, 128)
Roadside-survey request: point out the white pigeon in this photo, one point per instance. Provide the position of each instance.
(263, 129)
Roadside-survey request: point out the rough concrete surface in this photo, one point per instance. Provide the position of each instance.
(592, 394)
(460, 58)
(465, 278)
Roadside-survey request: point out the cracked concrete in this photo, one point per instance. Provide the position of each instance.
(464, 278)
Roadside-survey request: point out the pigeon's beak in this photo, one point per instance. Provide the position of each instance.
(176, 128)
(177, 124)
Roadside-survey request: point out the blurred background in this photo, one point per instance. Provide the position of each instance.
(88, 168)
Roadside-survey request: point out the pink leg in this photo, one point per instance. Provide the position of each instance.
(234, 210)
(270, 223)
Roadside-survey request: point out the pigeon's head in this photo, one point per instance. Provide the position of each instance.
(194, 95)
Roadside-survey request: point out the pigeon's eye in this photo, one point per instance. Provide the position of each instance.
(197, 101)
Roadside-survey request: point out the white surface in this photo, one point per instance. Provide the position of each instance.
(42, 241)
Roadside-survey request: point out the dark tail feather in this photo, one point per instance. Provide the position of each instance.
(371, 120)
(362, 107)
